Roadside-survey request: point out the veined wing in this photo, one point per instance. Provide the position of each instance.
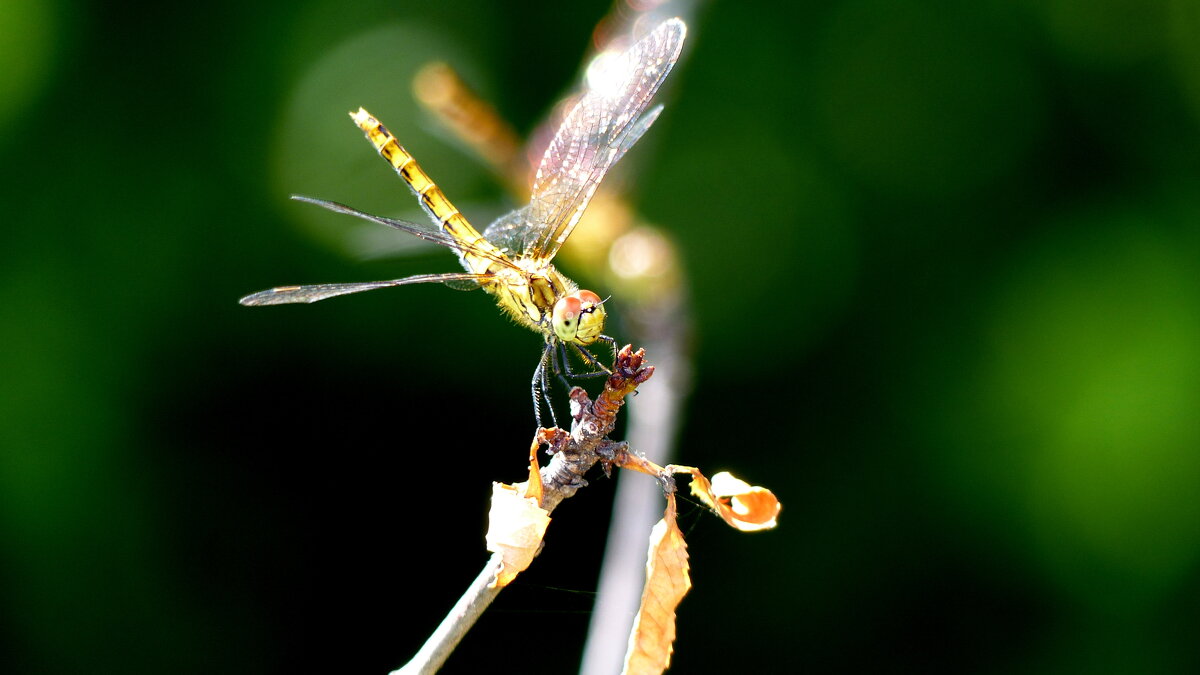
(282, 295)
(428, 232)
(512, 232)
(515, 231)
(594, 135)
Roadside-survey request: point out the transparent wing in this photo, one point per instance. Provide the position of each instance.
(515, 232)
(595, 134)
(283, 295)
(635, 132)
(428, 232)
(512, 232)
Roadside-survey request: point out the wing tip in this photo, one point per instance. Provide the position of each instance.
(254, 299)
(272, 296)
(676, 25)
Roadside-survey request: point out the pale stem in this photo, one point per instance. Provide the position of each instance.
(478, 596)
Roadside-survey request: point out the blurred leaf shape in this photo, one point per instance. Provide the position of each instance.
(1184, 33)
(1063, 402)
(1095, 350)
(28, 36)
(1105, 32)
(786, 227)
(925, 101)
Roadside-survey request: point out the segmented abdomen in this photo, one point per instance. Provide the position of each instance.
(432, 198)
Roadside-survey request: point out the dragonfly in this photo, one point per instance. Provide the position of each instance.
(512, 259)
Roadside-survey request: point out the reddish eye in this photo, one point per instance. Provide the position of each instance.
(578, 317)
(567, 309)
(588, 297)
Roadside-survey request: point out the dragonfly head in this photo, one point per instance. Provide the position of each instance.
(578, 317)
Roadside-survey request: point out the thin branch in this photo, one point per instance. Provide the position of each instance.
(575, 453)
(478, 596)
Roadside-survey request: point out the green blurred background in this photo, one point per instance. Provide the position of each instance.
(946, 286)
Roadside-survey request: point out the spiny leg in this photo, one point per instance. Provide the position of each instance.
(534, 390)
(540, 389)
(611, 342)
(590, 360)
(555, 359)
(561, 365)
(546, 390)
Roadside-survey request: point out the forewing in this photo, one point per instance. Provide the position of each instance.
(283, 295)
(515, 232)
(427, 232)
(634, 132)
(511, 232)
(595, 134)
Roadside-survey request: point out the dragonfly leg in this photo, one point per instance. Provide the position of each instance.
(537, 400)
(612, 343)
(546, 393)
(536, 389)
(560, 358)
(556, 360)
(591, 360)
(540, 387)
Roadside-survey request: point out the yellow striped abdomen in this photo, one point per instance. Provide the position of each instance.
(432, 198)
(525, 289)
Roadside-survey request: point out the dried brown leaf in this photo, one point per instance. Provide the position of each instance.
(653, 636)
(533, 488)
(746, 507)
(516, 525)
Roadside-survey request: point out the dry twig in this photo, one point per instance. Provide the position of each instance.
(575, 454)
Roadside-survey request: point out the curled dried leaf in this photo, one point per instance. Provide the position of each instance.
(667, 580)
(746, 507)
(516, 525)
(533, 488)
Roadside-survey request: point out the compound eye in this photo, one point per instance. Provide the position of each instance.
(566, 317)
(588, 299)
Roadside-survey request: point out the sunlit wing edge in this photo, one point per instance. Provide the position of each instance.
(568, 209)
(553, 238)
(635, 132)
(285, 295)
